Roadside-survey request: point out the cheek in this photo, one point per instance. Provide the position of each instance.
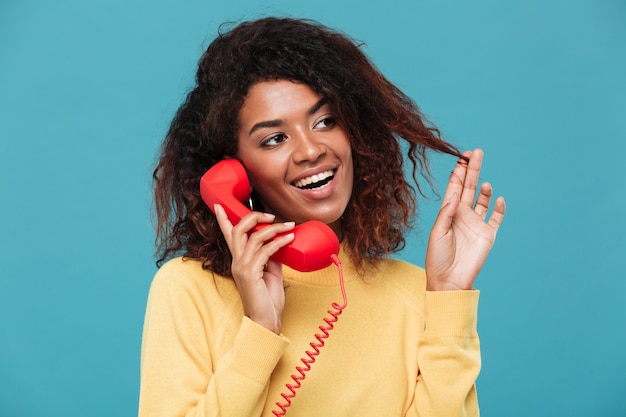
(264, 179)
(257, 180)
(350, 166)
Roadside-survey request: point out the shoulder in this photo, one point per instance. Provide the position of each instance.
(185, 278)
(179, 272)
(402, 266)
(398, 270)
(176, 266)
(397, 280)
(403, 276)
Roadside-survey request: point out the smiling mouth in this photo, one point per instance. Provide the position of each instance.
(315, 181)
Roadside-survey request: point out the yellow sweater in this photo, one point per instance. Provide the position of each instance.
(397, 350)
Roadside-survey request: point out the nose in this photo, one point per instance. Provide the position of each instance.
(307, 148)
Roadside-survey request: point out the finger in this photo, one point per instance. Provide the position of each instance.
(252, 219)
(471, 178)
(274, 268)
(224, 223)
(457, 177)
(274, 281)
(484, 197)
(254, 263)
(443, 222)
(498, 213)
(264, 243)
(266, 234)
(240, 232)
(271, 247)
(249, 263)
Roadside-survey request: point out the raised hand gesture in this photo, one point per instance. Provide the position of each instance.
(462, 237)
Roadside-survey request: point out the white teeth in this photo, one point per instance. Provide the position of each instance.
(314, 178)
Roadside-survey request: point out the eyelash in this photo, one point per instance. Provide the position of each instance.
(329, 121)
(266, 142)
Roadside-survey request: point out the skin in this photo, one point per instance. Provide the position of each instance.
(287, 133)
(462, 237)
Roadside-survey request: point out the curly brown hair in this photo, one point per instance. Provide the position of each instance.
(373, 111)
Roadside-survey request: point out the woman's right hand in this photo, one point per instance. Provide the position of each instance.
(259, 279)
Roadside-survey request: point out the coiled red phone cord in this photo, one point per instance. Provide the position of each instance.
(316, 345)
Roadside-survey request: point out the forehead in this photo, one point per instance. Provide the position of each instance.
(277, 99)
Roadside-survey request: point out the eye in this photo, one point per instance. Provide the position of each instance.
(273, 140)
(326, 123)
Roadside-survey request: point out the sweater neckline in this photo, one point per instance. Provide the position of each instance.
(326, 276)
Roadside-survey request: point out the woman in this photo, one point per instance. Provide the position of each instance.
(317, 129)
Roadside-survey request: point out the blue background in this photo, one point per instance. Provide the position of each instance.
(87, 90)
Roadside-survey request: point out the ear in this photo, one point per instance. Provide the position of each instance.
(255, 201)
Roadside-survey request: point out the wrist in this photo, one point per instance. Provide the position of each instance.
(274, 326)
(446, 286)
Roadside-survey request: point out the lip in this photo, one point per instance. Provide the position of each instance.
(313, 171)
(317, 193)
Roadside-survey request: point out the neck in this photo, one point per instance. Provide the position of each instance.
(325, 276)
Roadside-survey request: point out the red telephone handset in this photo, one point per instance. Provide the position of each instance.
(227, 184)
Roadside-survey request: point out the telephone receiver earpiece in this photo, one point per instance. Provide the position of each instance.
(226, 183)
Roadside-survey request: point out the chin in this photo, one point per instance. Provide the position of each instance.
(330, 220)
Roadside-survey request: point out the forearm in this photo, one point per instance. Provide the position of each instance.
(175, 383)
(449, 357)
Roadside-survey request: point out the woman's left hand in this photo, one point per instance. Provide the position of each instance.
(462, 237)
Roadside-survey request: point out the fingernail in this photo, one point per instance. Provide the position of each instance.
(270, 215)
(290, 224)
(217, 208)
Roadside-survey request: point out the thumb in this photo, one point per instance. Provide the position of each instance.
(445, 216)
(273, 278)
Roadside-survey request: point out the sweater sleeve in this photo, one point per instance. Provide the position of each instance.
(179, 376)
(448, 356)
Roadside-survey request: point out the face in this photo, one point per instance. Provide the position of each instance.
(298, 158)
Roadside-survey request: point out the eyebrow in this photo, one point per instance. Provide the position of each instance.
(275, 123)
